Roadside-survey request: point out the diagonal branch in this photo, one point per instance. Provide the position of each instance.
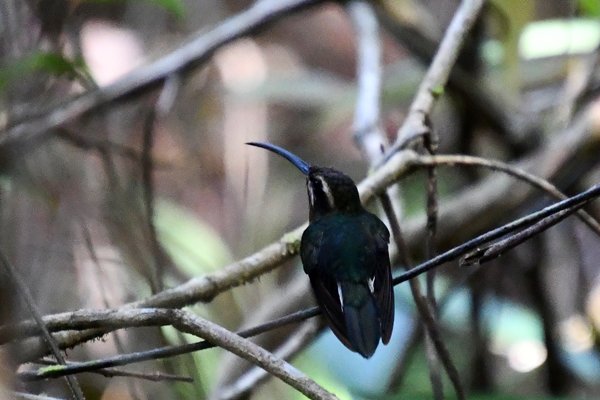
(514, 171)
(473, 244)
(21, 287)
(187, 322)
(436, 77)
(184, 58)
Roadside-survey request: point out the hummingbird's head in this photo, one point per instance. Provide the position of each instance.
(329, 190)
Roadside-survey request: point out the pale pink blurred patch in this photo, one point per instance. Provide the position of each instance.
(110, 51)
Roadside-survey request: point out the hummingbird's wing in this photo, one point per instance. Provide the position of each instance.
(383, 288)
(324, 285)
(324, 288)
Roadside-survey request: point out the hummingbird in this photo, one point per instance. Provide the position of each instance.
(344, 252)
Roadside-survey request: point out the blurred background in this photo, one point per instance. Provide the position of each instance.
(526, 90)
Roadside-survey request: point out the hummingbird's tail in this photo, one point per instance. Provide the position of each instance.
(362, 317)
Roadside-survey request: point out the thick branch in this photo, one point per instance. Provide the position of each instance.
(189, 323)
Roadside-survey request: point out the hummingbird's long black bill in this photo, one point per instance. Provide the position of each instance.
(299, 163)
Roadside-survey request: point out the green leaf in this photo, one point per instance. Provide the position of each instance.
(55, 64)
(52, 63)
(590, 8)
(174, 7)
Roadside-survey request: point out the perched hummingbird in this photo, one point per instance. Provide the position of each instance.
(344, 251)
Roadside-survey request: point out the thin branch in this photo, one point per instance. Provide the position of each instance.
(430, 143)
(501, 116)
(436, 77)
(160, 109)
(254, 377)
(112, 372)
(147, 376)
(23, 290)
(472, 244)
(190, 323)
(90, 143)
(425, 311)
(147, 168)
(184, 58)
(536, 181)
(479, 256)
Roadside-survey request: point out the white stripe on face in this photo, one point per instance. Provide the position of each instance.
(327, 191)
(311, 193)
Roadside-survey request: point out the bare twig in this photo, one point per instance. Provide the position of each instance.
(514, 171)
(431, 141)
(251, 379)
(162, 107)
(163, 104)
(23, 290)
(487, 253)
(435, 80)
(112, 372)
(189, 323)
(423, 307)
(147, 168)
(147, 376)
(472, 244)
(433, 360)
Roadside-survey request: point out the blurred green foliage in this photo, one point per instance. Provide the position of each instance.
(174, 7)
(590, 8)
(52, 63)
(195, 247)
